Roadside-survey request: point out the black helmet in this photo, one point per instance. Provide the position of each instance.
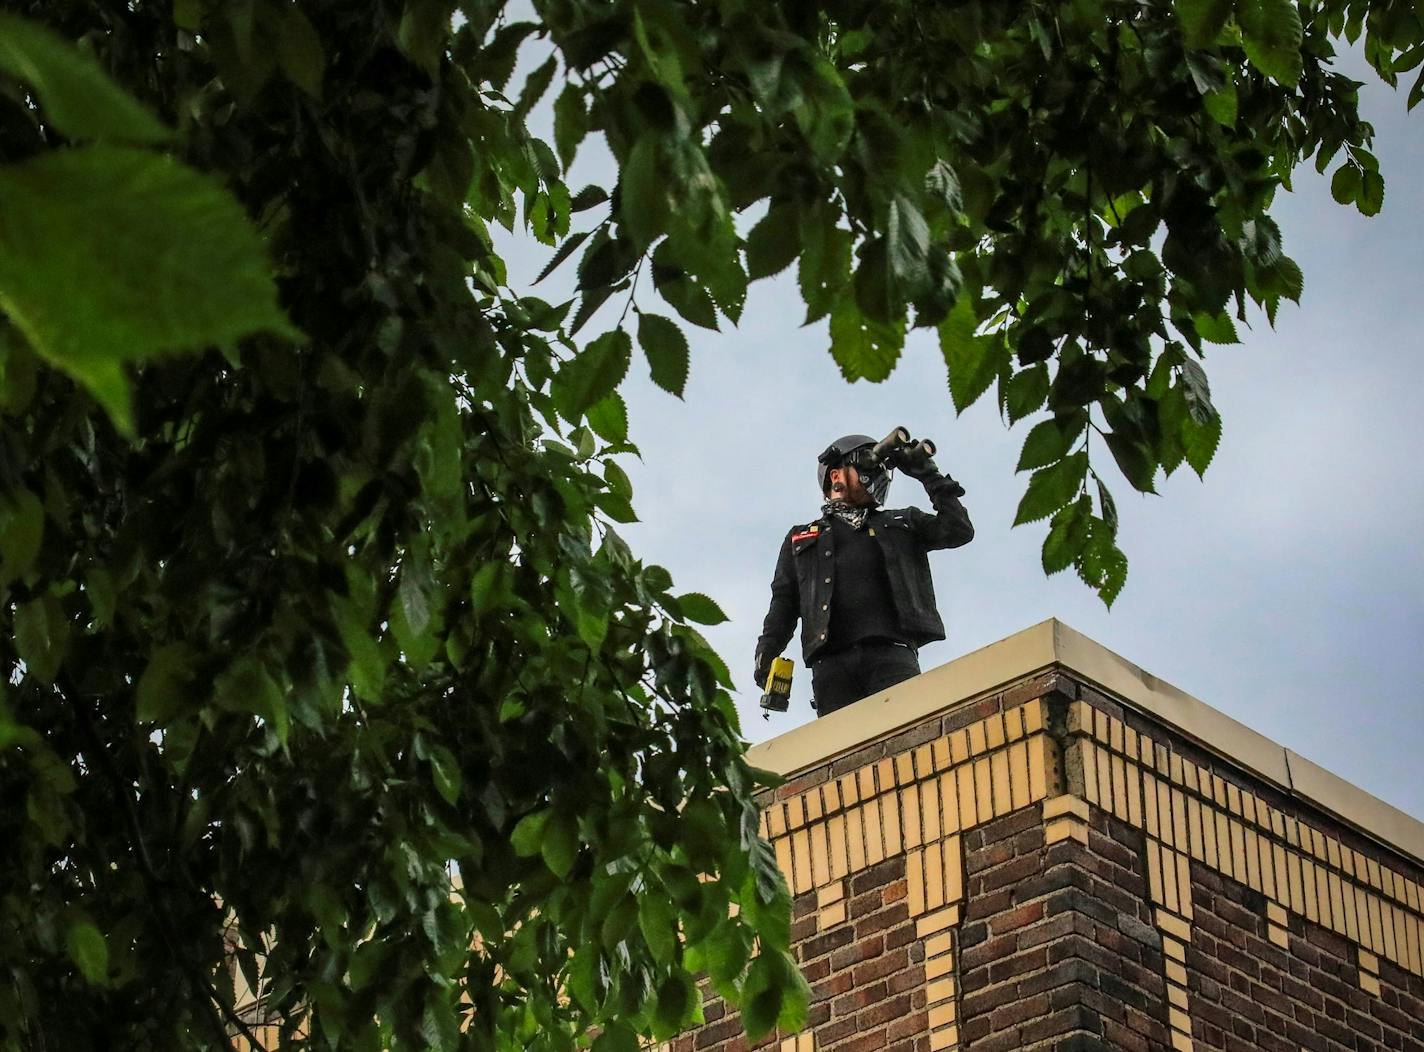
(855, 451)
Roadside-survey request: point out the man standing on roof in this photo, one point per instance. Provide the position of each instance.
(859, 576)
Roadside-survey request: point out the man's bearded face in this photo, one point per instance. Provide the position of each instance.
(843, 483)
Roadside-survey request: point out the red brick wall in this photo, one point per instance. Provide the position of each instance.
(1249, 993)
(866, 975)
(1057, 949)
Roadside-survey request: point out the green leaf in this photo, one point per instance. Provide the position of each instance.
(677, 998)
(246, 687)
(1346, 183)
(565, 250)
(619, 484)
(619, 509)
(414, 595)
(1261, 242)
(774, 243)
(83, 939)
(619, 921)
(1371, 198)
(534, 87)
(616, 1037)
(1197, 391)
(907, 238)
(643, 201)
(701, 609)
(1046, 443)
(1066, 536)
(445, 769)
(367, 961)
(1283, 278)
(864, 349)
(1052, 487)
(761, 997)
(110, 255)
(690, 300)
(99, 587)
(487, 585)
(665, 347)
(605, 262)
(1108, 505)
(21, 534)
(943, 183)
(1200, 441)
(1101, 565)
(970, 358)
(658, 921)
(591, 375)
(570, 123)
(583, 979)
(41, 636)
(828, 118)
(590, 196)
(1222, 105)
(825, 261)
(774, 995)
(166, 686)
(1271, 34)
(187, 14)
(527, 839)
(559, 844)
(609, 418)
(1216, 328)
(726, 950)
(1202, 20)
(75, 94)
(591, 613)
(1134, 460)
(300, 55)
(1026, 392)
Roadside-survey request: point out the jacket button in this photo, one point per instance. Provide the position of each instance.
(828, 580)
(825, 606)
(828, 553)
(823, 635)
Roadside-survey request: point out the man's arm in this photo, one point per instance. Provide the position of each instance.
(780, 621)
(949, 526)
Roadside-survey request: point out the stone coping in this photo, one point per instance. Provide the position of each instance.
(1052, 644)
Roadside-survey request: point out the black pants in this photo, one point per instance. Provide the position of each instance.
(859, 671)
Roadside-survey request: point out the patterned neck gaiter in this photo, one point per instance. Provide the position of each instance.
(852, 516)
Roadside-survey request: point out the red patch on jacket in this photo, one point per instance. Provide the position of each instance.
(808, 535)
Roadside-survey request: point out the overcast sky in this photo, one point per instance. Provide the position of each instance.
(1287, 589)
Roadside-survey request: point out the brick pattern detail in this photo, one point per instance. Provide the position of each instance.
(941, 1000)
(1176, 934)
(1249, 992)
(826, 826)
(867, 976)
(1058, 950)
(1193, 811)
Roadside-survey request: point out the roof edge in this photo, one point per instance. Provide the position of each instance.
(1052, 644)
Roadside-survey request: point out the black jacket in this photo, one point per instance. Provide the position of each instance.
(805, 571)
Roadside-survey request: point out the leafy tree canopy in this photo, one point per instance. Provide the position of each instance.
(323, 655)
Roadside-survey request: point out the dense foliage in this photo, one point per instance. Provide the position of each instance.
(322, 654)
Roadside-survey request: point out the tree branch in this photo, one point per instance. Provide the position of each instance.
(215, 1008)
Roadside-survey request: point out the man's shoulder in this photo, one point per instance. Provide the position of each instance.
(893, 514)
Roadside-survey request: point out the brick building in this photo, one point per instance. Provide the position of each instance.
(1040, 846)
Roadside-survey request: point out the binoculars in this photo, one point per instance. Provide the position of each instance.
(896, 449)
